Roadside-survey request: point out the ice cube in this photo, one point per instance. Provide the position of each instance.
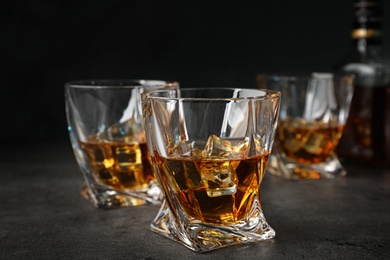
(234, 148)
(129, 155)
(183, 148)
(219, 178)
(314, 144)
(187, 149)
(240, 147)
(293, 145)
(129, 131)
(217, 148)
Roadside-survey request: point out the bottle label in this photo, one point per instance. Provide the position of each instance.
(365, 33)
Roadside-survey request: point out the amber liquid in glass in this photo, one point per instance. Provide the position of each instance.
(214, 191)
(120, 165)
(307, 143)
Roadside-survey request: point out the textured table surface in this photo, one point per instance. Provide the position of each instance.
(43, 216)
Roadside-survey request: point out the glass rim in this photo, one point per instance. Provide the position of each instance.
(267, 94)
(307, 75)
(119, 83)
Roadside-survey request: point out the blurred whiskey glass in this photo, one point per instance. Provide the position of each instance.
(107, 134)
(313, 112)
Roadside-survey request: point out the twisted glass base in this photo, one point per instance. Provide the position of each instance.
(102, 197)
(283, 167)
(201, 237)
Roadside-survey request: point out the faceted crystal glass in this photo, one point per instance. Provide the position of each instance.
(314, 110)
(210, 149)
(106, 130)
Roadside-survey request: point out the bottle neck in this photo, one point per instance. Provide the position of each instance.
(362, 44)
(367, 26)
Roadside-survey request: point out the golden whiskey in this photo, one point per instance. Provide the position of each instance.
(307, 142)
(120, 165)
(214, 191)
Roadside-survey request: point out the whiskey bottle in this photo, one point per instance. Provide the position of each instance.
(366, 136)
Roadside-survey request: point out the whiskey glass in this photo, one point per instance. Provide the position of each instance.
(210, 148)
(313, 111)
(107, 134)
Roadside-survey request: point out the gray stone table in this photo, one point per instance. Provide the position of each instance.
(43, 216)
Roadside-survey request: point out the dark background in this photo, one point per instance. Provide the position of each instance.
(47, 43)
